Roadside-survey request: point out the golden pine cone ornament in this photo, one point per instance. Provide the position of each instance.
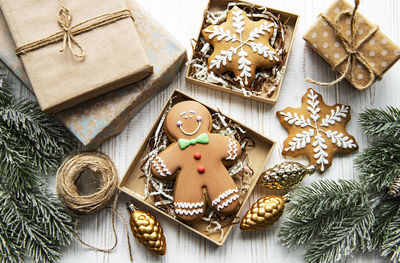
(285, 176)
(263, 213)
(147, 230)
(394, 189)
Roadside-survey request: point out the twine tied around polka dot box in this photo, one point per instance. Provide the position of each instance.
(377, 52)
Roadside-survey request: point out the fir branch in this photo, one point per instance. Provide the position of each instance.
(46, 208)
(38, 223)
(325, 196)
(5, 93)
(348, 235)
(327, 207)
(298, 230)
(384, 211)
(41, 134)
(379, 164)
(335, 219)
(315, 208)
(32, 221)
(391, 245)
(9, 249)
(381, 122)
(31, 143)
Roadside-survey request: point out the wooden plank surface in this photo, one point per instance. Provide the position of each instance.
(182, 18)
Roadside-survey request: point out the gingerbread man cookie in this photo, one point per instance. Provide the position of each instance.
(317, 130)
(195, 158)
(241, 45)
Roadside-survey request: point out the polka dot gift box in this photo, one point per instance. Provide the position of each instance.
(374, 53)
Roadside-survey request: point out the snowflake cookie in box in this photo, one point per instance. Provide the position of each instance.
(317, 130)
(240, 46)
(243, 49)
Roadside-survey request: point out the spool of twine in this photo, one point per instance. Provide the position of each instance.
(103, 167)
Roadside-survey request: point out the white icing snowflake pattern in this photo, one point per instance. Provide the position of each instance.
(225, 56)
(317, 130)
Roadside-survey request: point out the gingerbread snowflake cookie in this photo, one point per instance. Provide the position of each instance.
(195, 157)
(241, 46)
(317, 130)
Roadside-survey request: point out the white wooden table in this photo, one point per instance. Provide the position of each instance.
(182, 18)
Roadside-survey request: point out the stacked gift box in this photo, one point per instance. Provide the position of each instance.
(104, 113)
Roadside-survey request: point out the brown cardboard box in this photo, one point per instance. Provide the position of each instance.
(133, 183)
(219, 5)
(114, 54)
(380, 52)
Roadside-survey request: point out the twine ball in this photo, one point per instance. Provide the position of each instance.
(72, 168)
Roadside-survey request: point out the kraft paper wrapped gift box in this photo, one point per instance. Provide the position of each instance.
(59, 81)
(94, 121)
(377, 49)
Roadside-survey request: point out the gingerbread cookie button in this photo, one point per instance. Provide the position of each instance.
(317, 130)
(241, 45)
(201, 169)
(198, 155)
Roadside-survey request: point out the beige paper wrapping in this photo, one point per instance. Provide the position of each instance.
(94, 121)
(380, 52)
(114, 54)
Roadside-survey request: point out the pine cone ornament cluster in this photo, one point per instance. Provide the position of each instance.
(263, 213)
(147, 230)
(285, 176)
(394, 189)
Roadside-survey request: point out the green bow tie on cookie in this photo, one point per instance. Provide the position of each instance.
(202, 138)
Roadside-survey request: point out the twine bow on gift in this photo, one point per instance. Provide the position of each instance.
(68, 32)
(64, 21)
(351, 48)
